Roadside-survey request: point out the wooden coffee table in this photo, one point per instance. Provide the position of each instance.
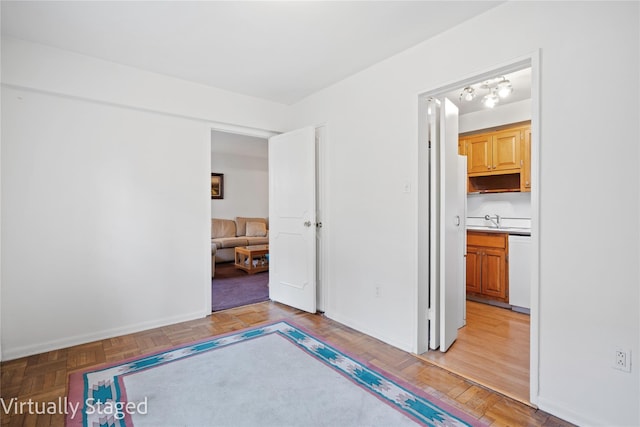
(252, 259)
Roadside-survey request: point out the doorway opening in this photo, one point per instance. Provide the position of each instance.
(498, 331)
(238, 217)
(242, 157)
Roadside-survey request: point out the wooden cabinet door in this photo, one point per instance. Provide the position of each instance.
(506, 150)
(525, 173)
(479, 158)
(462, 147)
(494, 274)
(473, 270)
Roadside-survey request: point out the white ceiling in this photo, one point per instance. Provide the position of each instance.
(281, 51)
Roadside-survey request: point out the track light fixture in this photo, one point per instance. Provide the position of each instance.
(468, 93)
(498, 88)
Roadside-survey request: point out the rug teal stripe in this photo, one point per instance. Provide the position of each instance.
(398, 396)
(102, 385)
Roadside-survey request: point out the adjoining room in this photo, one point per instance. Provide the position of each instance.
(239, 225)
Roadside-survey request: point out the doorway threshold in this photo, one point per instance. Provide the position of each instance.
(474, 380)
(492, 350)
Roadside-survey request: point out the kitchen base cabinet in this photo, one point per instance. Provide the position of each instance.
(487, 266)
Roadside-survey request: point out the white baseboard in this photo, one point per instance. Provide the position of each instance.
(365, 330)
(567, 414)
(57, 344)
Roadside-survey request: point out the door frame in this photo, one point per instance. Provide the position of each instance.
(531, 60)
(322, 201)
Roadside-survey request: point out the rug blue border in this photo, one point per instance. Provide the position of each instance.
(419, 408)
(381, 384)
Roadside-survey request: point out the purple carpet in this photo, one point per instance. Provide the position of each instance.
(232, 288)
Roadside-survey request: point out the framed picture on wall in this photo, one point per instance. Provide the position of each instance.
(217, 186)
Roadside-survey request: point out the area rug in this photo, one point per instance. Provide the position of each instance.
(231, 287)
(273, 375)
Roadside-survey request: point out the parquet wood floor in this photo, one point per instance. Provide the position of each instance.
(43, 377)
(492, 350)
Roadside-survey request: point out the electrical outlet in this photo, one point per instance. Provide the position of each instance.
(622, 360)
(378, 291)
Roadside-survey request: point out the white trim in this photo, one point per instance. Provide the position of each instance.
(562, 412)
(534, 313)
(322, 207)
(422, 244)
(29, 350)
(208, 290)
(243, 130)
(502, 68)
(531, 60)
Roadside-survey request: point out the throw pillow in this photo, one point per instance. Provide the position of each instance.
(256, 229)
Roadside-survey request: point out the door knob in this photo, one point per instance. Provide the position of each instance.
(307, 223)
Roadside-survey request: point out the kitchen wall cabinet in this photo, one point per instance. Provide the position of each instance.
(480, 154)
(487, 265)
(498, 160)
(462, 146)
(494, 153)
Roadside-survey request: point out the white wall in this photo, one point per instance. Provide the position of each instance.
(244, 162)
(500, 115)
(105, 196)
(589, 164)
(507, 205)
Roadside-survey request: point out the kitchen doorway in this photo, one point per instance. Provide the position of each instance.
(477, 318)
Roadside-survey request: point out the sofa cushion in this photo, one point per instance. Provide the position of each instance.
(241, 224)
(257, 241)
(256, 229)
(222, 228)
(230, 242)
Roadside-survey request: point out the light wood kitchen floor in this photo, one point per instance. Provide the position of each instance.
(43, 377)
(491, 350)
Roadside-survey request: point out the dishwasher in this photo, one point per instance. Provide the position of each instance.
(520, 273)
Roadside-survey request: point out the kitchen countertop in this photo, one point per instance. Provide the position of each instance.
(518, 231)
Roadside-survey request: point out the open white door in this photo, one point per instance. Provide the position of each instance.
(447, 206)
(462, 236)
(292, 222)
(433, 120)
(452, 218)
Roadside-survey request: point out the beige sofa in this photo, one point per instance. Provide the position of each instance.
(226, 234)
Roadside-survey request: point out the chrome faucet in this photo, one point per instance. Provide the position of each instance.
(496, 221)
